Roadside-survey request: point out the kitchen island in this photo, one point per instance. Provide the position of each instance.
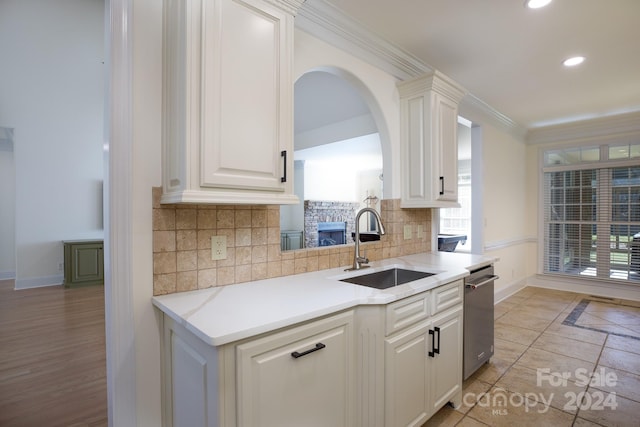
(311, 348)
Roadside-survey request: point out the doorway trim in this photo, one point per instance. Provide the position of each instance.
(118, 155)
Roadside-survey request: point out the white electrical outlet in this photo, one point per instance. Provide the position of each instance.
(407, 232)
(218, 247)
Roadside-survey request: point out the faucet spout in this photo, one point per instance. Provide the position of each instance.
(360, 262)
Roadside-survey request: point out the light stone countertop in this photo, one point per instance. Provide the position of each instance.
(224, 314)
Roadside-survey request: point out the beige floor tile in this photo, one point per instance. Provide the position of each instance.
(623, 343)
(491, 371)
(625, 413)
(472, 390)
(631, 330)
(508, 350)
(515, 334)
(445, 417)
(505, 306)
(568, 347)
(498, 312)
(547, 304)
(588, 319)
(526, 292)
(540, 312)
(514, 299)
(620, 318)
(619, 359)
(541, 387)
(524, 321)
(470, 422)
(624, 384)
(501, 408)
(614, 307)
(580, 422)
(580, 334)
(535, 358)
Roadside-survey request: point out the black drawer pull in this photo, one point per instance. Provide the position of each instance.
(436, 347)
(284, 154)
(318, 346)
(433, 343)
(441, 185)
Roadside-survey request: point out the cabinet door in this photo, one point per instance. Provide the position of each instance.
(246, 91)
(84, 263)
(406, 385)
(429, 127)
(228, 101)
(299, 377)
(445, 372)
(446, 137)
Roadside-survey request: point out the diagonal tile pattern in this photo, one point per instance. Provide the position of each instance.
(561, 359)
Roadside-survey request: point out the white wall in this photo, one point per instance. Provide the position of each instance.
(507, 231)
(51, 93)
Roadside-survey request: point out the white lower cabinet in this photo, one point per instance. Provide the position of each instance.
(373, 366)
(423, 361)
(445, 373)
(300, 377)
(406, 377)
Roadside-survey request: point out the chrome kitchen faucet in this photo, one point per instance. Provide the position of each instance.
(358, 261)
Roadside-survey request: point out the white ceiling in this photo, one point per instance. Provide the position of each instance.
(510, 57)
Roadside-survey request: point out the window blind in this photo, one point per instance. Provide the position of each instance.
(592, 222)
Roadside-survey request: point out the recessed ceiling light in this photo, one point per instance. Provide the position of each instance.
(573, 61)
(536, 4)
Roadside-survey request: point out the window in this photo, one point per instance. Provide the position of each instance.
(592, 212)
(457, 221)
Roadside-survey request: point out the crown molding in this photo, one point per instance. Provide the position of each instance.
(289, 6)
(328, 23)
(603, 127)
(476, 110)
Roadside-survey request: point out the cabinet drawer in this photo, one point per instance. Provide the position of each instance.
(446, 296)
(300, 376)
(407, 311)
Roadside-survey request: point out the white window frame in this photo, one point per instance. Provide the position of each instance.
(604, 163)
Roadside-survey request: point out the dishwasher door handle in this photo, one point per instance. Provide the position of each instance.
(481, 283)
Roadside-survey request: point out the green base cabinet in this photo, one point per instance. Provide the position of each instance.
(83, 263)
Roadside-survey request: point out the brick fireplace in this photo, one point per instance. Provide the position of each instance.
(326, 211)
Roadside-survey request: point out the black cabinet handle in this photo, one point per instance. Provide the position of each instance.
(433, 343)
(318, 346)
(441, 185)
(284, 154)
(436, 349)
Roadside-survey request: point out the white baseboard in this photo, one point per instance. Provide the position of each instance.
(39, 282)
(587, 286)
(7, 275)
(509, 290)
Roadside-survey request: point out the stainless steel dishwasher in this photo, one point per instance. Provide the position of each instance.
(478, 319)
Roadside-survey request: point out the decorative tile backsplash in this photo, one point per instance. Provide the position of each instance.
(182, 244)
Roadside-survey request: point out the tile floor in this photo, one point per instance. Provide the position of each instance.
(561, 359)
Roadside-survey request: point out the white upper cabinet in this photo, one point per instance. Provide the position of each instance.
(429, 121)
(228, 101)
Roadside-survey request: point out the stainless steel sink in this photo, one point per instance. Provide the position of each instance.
(387, 278)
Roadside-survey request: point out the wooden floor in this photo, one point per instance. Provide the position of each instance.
(52, 357)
